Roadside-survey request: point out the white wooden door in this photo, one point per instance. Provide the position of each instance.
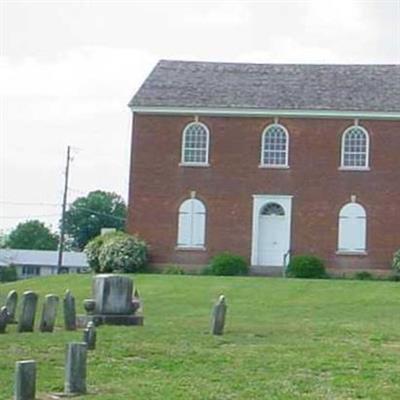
(271, 229)
(272, 238)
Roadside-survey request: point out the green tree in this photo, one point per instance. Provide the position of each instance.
(32, 235)
(86, 216)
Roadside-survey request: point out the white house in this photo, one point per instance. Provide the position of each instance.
(30, 263)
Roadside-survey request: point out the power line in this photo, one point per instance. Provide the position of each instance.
(100, 213)
(18, 203)
(77, 191)
(27, 216)
(52, 215)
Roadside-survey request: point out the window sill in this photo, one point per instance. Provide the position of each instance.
(361, 169)
(190, 248)
(351, 253)
(273, 166)
(201, 165)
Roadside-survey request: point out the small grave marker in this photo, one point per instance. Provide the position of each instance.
(69, 311)
(27, 315)
(218, 316)
(75, 369)
(4, 317)
(11, 304)
(25, 380)
(90, 335)
(49, 313)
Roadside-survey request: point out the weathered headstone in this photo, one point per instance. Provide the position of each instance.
(75, 368)
(112, 294)
(11, 304)
(112, 302)
(69, 311)
(49, 313)
(25, 380)
(26, 320)
(3, 319)
(218, 316)
(90, 335)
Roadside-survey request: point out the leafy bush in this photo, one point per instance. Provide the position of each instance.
(8, 274)
(116, 251)
(396, 261)
(207, 270)
(228, 264)
(394, 278)
(122, 253)
(174, 270)
(306, 266)
(363, 276)
(92, 250)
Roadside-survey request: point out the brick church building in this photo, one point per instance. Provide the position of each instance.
(267, 161)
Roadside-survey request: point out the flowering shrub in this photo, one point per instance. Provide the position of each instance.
(116, 251)
(396, 261)
(92, 250)
(123, 253)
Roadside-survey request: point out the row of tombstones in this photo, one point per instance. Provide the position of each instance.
(76, 360)
(27, 315)
(26, 320)
(75, 373)
(75, 369)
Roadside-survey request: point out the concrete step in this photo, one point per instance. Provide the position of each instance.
(262, 270)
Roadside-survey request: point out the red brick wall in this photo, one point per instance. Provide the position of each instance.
(158, 185)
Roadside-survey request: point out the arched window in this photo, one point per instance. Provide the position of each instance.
(275, 144)
(195, 143)
(272, 209)
(355, 148)
(352, 228)
(191, 224)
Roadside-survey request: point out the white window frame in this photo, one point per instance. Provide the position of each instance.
(277, 166)
(191, 245)
(195, 164)
(363, 215)
(355, 168)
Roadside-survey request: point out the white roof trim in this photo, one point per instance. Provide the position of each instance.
(253, 112)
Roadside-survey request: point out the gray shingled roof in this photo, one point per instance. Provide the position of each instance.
(271, 86)
(42, 258)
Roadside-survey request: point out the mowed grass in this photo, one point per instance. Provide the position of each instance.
(284, 339)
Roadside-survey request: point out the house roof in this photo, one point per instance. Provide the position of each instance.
(373, 88)
(42, 258)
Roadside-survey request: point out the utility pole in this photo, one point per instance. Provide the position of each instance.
(64, 208)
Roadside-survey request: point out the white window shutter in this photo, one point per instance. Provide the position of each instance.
(184, 229)
(199, 226)
(352, 228)
(360, 234)
(344, 234)
(191, 223)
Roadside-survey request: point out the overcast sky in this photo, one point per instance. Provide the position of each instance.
(68, 69)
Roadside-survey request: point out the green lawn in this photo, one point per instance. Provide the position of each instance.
(285, 339)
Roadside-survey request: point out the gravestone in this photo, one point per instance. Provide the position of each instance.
(25, 380)
(4, 317)
(69, 311)
(26, 320)
(11, 304)
(49, 313)
(90, 335)
(75, 369)
(218, 316)
(112, 302)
